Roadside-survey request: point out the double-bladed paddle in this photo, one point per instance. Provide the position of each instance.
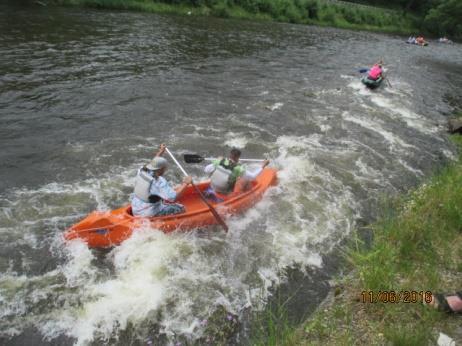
(388, 81)
(212, 209)
(194, 158)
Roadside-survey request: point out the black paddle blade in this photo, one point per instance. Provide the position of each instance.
(192, 158)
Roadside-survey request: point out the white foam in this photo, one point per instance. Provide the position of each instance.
(367, 174)
(450, 155)
(318, 211)
(412, 119)
(395, 141)
(275, 106)
(359, 87)
(416, 172)
(136, 289)
(79, 269)
(325, 127)
(236, 140)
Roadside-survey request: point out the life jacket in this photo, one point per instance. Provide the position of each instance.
(143, 183)
(375, 72)
(222, 179)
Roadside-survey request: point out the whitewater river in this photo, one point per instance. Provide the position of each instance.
(86, 97)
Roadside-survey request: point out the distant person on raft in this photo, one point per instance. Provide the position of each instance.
(228, 175)
(444, 39)
(153, 195)
(376, 71)
(411, 40)
(421, 41)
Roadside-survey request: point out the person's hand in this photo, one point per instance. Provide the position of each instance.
(265, 163)
(187, 180)
(161, 150)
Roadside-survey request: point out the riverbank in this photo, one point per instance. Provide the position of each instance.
(312, 12)
(413, 251)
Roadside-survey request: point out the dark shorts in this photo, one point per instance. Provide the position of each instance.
(171, 208)
(211, 195)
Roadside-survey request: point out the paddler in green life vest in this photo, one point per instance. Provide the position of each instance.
(228, 175)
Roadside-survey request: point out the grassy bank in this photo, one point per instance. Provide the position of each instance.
(415, 246)
(317, 12)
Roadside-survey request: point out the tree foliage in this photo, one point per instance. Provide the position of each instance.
(438, 17)
(445, 18)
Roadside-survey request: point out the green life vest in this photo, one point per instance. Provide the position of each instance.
(225, 175)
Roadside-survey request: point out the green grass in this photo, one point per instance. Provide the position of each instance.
(421, 231)
(292, 11)
(134, 5)
(271, 327)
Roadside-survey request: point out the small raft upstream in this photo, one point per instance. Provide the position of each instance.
(106, 229)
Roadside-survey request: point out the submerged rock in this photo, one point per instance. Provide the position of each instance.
(455, 125)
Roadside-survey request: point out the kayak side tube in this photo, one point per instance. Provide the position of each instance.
(371, 83)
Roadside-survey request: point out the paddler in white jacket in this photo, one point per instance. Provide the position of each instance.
(153, 195)
(228, 175)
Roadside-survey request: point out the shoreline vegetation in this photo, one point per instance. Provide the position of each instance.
(312, 12)
(413, 251)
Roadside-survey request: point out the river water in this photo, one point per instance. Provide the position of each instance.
(86, 97)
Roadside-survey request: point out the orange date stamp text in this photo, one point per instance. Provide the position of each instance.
(396, 296)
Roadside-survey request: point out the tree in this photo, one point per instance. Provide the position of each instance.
(445, 18)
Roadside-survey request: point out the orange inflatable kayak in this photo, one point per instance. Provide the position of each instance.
(106, 229)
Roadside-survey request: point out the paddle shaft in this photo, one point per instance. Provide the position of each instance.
(194, 158)
(176, 162)
(388, 81)
(244, 160)
(212, 209)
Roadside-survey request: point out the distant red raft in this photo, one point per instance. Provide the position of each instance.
(106, 229)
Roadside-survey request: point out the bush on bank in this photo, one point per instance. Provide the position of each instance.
(445, 19)
(293, 11)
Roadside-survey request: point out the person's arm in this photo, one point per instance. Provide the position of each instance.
(211, 166)
(253, 175)
(164, 190)
(179, 190)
